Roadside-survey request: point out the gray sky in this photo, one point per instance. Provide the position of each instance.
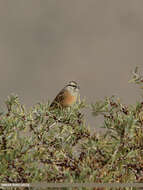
(46, 43)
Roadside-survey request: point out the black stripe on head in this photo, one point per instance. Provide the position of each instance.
(73, 84)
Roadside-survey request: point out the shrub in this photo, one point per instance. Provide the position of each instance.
(43, 145)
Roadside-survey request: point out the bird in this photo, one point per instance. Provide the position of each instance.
(67, 97)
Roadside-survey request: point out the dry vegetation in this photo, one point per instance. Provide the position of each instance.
(40, 145)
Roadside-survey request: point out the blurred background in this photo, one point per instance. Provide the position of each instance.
(46, 43)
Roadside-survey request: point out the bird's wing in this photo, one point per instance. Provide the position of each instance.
(59, 98)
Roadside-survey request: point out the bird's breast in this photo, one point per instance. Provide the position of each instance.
(68, 99)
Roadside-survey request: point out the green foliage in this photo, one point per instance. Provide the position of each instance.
(44, 145)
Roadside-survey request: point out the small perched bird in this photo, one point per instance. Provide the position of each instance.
(67, 96)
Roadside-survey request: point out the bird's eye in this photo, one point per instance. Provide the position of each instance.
(72, 86)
